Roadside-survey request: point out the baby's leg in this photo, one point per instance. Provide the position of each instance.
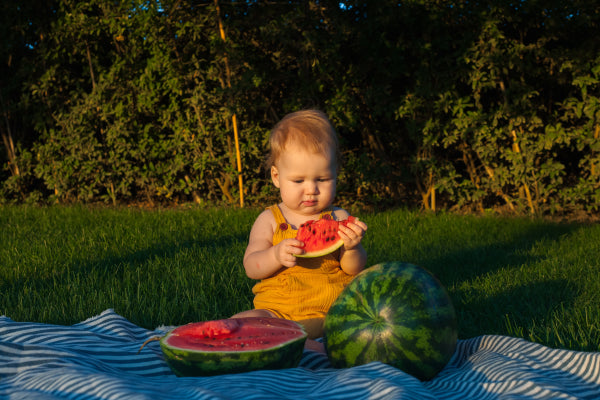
(254, 313)
(314, 346)
(314, 328)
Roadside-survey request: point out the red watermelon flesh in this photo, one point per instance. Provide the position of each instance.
(234, 334)
(320, 237)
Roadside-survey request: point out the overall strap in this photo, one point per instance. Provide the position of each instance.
(279, 218)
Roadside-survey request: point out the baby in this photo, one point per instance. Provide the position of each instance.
(304, 157)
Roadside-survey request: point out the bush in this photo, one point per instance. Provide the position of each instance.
(466, 106)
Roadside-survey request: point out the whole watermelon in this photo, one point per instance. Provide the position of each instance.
(396, 313)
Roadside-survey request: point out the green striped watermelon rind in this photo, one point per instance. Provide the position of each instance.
(186, 362)
(396, 313)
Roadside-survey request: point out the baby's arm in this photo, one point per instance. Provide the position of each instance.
(353, 257)
(262, 259)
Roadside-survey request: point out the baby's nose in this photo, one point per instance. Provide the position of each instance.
(312, 187)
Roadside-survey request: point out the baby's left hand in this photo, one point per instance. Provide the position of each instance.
(352, 234)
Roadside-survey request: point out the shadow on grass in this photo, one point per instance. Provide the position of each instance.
(464, 261)
(497, 288)
(523, 310)
(175, 280)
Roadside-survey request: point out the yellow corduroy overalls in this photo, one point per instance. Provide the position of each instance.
(304, 292)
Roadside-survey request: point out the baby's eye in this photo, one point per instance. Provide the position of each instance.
(298, 180)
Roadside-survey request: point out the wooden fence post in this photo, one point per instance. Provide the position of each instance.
(234, 116)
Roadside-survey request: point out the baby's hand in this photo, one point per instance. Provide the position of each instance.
(286, 251)
(352, 234)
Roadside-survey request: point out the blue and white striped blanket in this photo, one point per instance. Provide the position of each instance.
(97, 359)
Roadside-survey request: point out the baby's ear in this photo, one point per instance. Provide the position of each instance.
(275, 176)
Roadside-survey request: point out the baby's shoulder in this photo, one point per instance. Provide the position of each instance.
(265, 219)
(265, 216)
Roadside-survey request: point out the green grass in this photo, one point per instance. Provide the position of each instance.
(521, 277)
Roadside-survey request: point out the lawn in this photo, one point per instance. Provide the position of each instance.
(522, 277)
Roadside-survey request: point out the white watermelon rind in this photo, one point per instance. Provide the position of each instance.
(322, 252)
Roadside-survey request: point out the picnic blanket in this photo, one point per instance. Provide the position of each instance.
(98, 359)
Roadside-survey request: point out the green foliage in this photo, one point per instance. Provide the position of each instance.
(143, 122)
(444, 105)
(496, 134)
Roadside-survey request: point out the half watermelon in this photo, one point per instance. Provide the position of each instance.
(320, 237)
(233, 345)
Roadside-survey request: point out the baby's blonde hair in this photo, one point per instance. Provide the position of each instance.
(310, 128)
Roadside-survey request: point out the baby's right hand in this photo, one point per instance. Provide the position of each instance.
(286, 251)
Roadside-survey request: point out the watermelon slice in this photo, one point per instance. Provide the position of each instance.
(320, 236)
(233, 345)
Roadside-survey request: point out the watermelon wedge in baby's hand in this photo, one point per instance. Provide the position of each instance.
(320, 237)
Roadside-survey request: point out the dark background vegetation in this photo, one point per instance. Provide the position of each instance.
(460, 105)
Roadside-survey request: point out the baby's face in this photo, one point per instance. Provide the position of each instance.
(306, 180)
